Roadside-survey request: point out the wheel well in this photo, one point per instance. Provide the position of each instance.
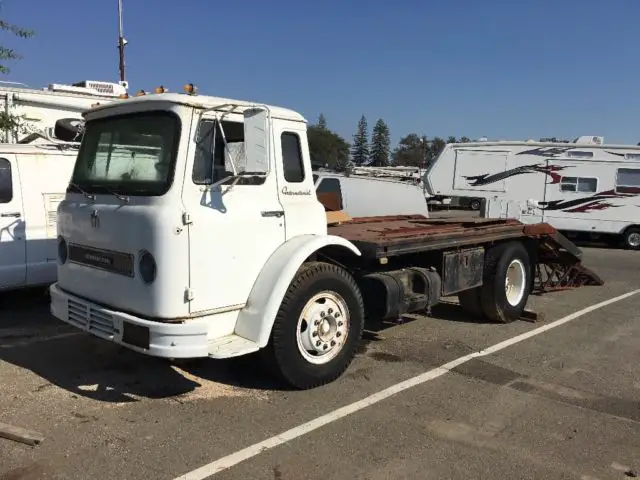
(334, 254)
(629, 228)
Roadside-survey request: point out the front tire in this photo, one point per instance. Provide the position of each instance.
(507, 282)
(318, 327)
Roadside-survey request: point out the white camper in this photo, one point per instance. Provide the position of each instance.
(580, 187)
(38, 110)
(370, 196)
(33, 181)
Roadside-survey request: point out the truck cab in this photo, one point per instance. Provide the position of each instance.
(176, 204)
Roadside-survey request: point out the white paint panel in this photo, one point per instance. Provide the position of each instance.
(480, 171)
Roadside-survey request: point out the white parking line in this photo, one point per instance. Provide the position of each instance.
(256, 449)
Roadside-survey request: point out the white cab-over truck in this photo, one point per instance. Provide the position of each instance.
(191, 228)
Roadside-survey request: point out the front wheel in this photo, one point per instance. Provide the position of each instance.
(507, 282)
(318, 327)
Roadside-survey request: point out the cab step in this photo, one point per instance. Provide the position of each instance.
(231, 346)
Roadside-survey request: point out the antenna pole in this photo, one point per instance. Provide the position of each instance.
(121, 41)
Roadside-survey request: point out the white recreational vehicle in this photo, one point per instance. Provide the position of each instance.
(38, 110)
(580, 187)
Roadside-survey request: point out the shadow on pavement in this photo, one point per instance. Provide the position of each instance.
(32, 339)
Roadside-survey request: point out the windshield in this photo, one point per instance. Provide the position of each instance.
(131, 154)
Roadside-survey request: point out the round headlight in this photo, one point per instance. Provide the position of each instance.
(62, 250)
(147, 267)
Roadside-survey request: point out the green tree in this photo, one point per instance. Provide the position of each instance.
(412, 150)
(451, 139)
(380, 144)
(437, 145)
(9, 123)
(322, 122)
(327, 148)
(465, 140)
(360, 146)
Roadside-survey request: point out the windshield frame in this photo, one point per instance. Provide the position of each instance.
(128, 188)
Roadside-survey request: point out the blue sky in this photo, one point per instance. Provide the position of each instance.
(505, 69)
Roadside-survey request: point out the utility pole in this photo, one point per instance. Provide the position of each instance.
(121, 44)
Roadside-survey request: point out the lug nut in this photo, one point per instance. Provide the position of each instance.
(316, 322)
(333, 343)
(325, 346)
(318, 343)
(314, 334)
(337, 315)
(338, 334)
(330, 311)
(340, 324)
(322, 314)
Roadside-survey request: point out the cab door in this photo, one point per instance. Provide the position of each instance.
(13, 270)
(235, 227)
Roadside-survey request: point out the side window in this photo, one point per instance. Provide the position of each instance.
(213, 164)
(628, 180)
(329, 193)
(292, 157)
(579, 184)
(6, 185)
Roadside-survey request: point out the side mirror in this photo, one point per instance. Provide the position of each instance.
(256, 142)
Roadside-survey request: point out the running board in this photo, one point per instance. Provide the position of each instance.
(231, 346)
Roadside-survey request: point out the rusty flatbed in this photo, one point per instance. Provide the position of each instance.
(558, 263)
(379, 237)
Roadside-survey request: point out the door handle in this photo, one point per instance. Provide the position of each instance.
(272, 213)
(12, 214)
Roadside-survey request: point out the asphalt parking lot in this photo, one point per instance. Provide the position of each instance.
(564, 403)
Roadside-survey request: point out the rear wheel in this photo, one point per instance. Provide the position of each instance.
(631, 238)
(475, 204)
(318, 327)
(507, 282)
(470, 301)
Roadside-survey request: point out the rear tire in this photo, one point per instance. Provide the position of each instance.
(475, 204)
(506, 283)
(318, 327)
(470, 302)
(631, 238)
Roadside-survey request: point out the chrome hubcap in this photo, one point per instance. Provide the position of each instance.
(323, 327)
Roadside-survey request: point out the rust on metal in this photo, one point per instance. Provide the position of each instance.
(558, 263)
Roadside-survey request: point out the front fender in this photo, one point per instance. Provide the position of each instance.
(256, 319)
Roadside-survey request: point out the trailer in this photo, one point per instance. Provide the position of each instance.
(201, 250)
(582, 188)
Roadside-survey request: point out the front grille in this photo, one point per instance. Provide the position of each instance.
(92, 319)
(116, 262)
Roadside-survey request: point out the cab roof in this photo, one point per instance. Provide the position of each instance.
(199, 101)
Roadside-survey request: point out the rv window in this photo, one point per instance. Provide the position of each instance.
(579, 184)
(587, 184)
(292, 157)
(6, 186)
(330, 185)
(580, 154)
(628, 180)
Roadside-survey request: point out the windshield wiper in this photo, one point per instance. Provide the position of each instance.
(119, 196)
(86, 195)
